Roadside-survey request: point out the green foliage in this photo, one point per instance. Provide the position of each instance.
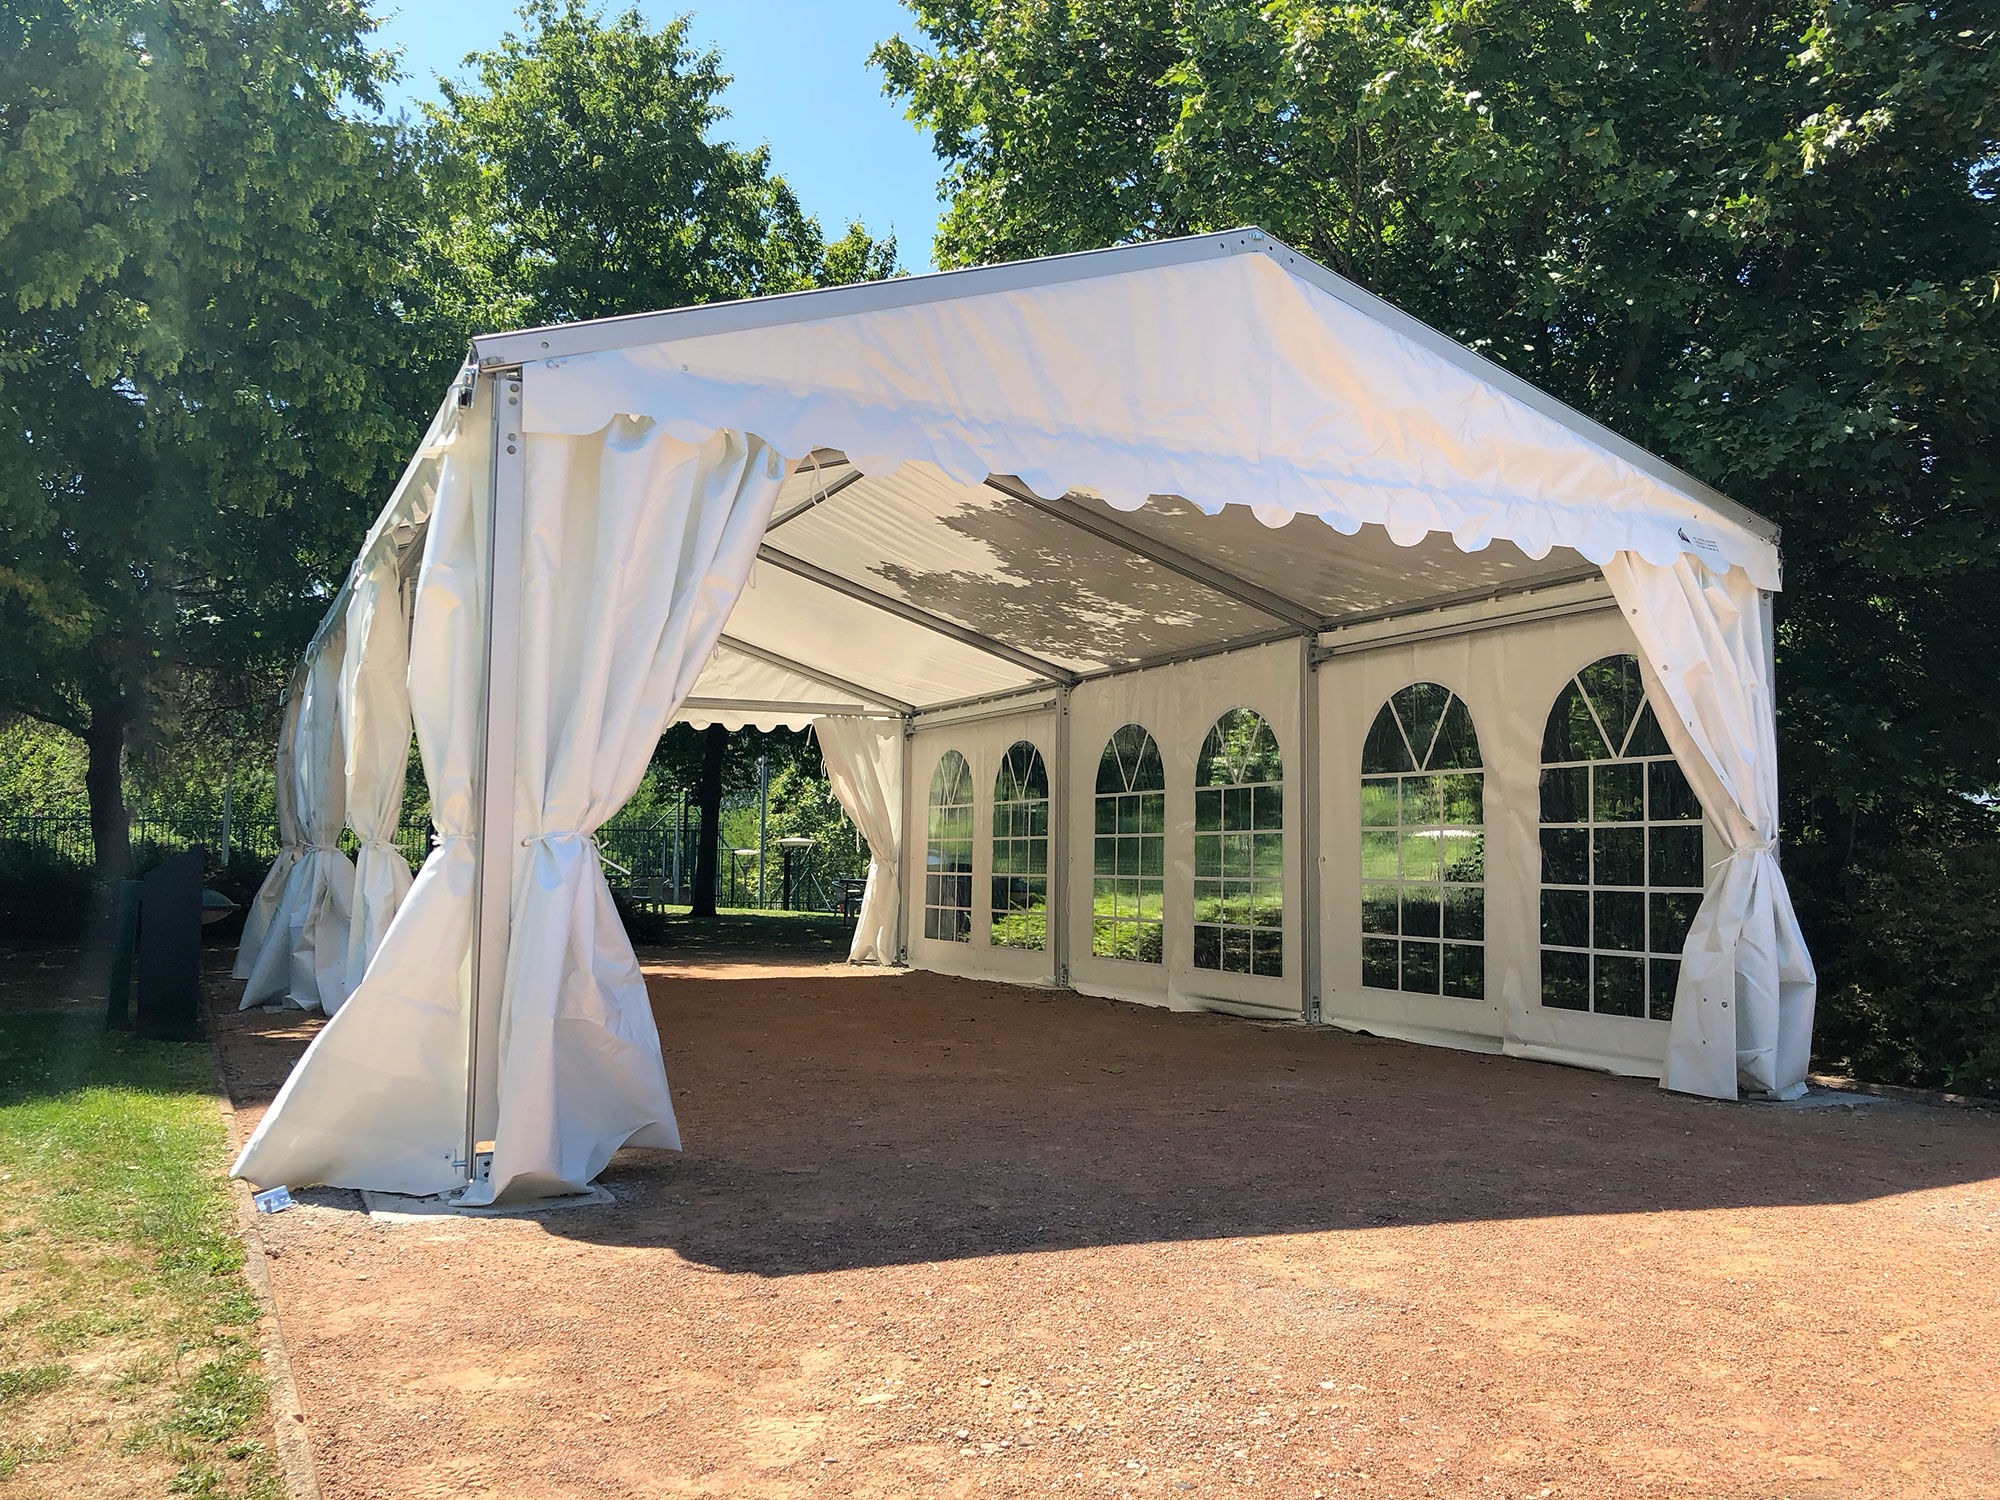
(41, 770)
(205, 372)
(1914, 994)
(579, 179)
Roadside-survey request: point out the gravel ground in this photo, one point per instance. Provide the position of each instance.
(942, 1238)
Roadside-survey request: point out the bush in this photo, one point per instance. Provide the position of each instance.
(1910, 979)
(43, 896)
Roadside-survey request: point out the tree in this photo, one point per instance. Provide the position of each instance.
(580, 178)
(1762, 240)
(198, 353)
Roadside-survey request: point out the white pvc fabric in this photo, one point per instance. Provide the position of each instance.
(1225, 379)
(864, 766)
(1744, 1009)
(634, 548)
(378, 1099)
(375, 722)
(291, 841)
(303, 958)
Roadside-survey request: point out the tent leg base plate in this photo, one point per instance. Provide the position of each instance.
(398, 1208)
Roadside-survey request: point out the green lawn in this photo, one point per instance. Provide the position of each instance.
(739, 931)
(128, 1359)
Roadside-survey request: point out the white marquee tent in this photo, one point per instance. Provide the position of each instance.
(1179, 623)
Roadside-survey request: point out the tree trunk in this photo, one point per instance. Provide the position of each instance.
(104, 781)
(708, 792)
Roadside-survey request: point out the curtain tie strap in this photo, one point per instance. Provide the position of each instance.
(1755, 846)
(565, 834)
(321, 848)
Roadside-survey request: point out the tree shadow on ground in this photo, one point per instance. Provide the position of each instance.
(837, 1122)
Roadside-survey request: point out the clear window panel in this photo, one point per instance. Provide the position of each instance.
(1465, 971)
(1565, 980)
(1420, 967)
(1378, 963)
(1619, 987)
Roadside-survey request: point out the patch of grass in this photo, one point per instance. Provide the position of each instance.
(30, 1380)
(731, 931)
(117, 1237)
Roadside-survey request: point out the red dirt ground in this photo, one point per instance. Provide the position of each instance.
(939, 1238)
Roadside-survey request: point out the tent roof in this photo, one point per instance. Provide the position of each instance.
(1034, 473)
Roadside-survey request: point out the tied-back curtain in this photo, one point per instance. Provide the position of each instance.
(1744, 1007)
(635, 548)
(378, 1100)
(375, 694)
(304, 953)
(291, 840)
(864, 765)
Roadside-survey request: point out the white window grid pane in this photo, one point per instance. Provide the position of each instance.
(1233, 943)
(1658, 997)
(1020, 874)
(1128, 910)
(1425, 885)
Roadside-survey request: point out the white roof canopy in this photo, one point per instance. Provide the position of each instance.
(1035, 473)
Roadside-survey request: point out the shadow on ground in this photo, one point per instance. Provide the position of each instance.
(840, 1120)
(835, 1122)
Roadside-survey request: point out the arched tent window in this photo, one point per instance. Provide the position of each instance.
(1423, 847)
(1621, 849)
(1128, 890)
(1239, 848)
(1021, 849)
(948, 852)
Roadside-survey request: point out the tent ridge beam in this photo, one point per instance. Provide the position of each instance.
(1162, 554)
(826, 679)
(818, 498)
(888, 604)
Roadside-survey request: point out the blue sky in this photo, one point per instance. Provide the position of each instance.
(802, 84)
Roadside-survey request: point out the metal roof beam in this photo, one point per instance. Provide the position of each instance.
(888, 604)
(826, 679)
(1162, 554)
(819, 497)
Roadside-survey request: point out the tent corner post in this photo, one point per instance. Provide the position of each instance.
(1059, 845)
(903, 846)
(493, 887)
(1311, 917)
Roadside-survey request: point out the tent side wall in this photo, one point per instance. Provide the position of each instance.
(1507, 662)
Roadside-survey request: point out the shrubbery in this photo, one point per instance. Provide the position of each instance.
(1910, 970)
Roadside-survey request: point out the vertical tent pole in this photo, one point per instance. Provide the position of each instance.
(903, 859)
(1309, 832)
(763, 823)
(1059, 844)
(493, 891)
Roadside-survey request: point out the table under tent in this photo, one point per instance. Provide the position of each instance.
(1179, 623)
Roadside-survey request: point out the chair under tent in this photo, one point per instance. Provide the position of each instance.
(1179, 623)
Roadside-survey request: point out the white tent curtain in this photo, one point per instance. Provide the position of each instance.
(864, 765)
(291, 840)
(304, 954)
(378, 1100)
(1744, 1008)
(635, 548)
(375, 722)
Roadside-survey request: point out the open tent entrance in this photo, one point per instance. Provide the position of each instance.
(1178, 622)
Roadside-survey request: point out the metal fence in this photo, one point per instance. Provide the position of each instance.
(635, 848)
(68, 838)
